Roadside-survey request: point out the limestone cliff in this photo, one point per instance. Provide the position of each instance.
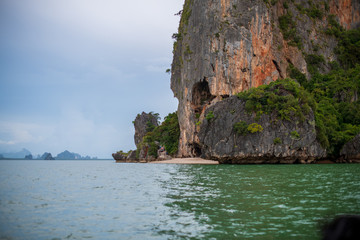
(144, 123)
(351, 150)
(275, 142)
(227, 46)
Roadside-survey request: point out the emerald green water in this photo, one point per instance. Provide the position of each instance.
(104, 200)
(262, 201)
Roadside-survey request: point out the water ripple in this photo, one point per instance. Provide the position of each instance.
(104, 200)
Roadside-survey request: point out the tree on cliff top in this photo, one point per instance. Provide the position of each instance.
(167, 135)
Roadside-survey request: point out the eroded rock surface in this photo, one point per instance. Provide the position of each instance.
(228, 46)
(119, 156)
(351, 150)
(347, 12)
(276, 143)
(125, 157)
(144, 123)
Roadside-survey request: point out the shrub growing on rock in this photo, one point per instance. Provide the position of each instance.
(210, 115)
(254, 128)
(284, 97)
(277, 140)
(167, 135)
(295, 135)
(241, 128)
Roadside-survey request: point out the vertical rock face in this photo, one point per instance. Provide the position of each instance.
(227, 46)
(144, 123)
(351, 150)
(276, 143)
(347, 11)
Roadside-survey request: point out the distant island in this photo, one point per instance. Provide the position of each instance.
(25, 154)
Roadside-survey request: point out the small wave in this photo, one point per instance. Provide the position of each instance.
(280, 206)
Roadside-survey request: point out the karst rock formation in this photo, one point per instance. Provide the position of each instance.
(224, 47)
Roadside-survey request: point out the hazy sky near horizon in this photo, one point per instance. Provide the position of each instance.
(75, 73)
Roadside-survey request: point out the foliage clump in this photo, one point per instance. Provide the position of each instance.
(184, 21)
(210, 115)
(295, 74)
(285, 97)
(150, 126)
(337, 93)
(123, 153)
(288, 29)
(348, 48)
(314, 12)
(337, 113)
(242, 128)
(254, 128)
(167, 135)
(338, 106)
(334, 98)
(277, 140)
(295, 135)
(314, 62)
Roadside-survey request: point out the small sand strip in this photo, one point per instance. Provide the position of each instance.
(188, 161)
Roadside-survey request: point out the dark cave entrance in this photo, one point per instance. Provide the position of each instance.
(201, 96)
(196, 149)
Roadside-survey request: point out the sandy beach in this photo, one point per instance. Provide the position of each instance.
(187, 161)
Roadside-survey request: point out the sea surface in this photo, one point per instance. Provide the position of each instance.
(106, 200)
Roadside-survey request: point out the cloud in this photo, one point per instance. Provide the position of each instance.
(17, 135)
(80, 133)
(73, 131)
(22, 133)
(76, 72)
(76, 25)
(154, 68)
(109, 19)
(158, 65)
(6, 142)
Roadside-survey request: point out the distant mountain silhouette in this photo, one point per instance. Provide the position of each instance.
(26, 154)
(66, 155)
(47, 156)
(21, 154)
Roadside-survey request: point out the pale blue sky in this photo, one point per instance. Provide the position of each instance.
(75, 73)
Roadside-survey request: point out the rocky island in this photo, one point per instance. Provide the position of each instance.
(262, 82)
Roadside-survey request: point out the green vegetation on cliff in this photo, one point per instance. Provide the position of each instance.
(288, 29)
(338, 112)
(184, 21)
(337, 92)
(333, 97)
(242, 128)
(167, 135)
(284, 97)
(348, 48)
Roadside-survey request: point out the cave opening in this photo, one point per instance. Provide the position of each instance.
(201, 96)
(196, 149)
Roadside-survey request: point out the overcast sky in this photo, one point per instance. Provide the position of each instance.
(75, 73)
